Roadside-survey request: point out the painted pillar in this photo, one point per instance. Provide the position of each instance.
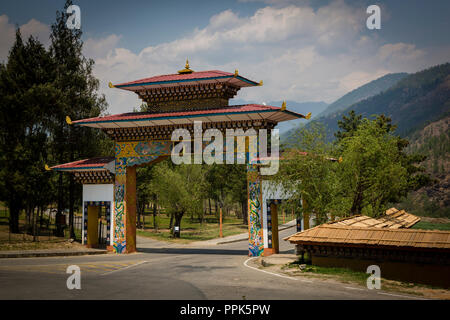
(130, 154)
(119, 240)
(125, 208)
(92, 226)
(130, 209)
(254, 194)
(305, 215)
(274, 216)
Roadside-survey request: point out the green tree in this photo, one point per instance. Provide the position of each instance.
(372, 173)
(26, 99)
(417, 178)
(179, 188)
(309, 173)
(348, 125)
(79, 99)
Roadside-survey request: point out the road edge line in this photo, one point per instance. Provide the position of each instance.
(275, 274)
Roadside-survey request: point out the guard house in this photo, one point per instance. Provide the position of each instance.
(176, 101)
(97, 177)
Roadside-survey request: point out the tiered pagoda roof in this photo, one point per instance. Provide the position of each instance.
(90, 171)
(187, 89)
(201, 77)
(177, 101)
(248, 112)
(98, 163)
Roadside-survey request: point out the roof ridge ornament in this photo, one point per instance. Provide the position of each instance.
(186, 68)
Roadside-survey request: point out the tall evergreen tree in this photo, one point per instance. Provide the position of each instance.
(25, 108)
(79, 100)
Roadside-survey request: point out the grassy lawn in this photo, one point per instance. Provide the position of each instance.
(431, 226)
(191, 229)
(23, 241)
(343, 274)
(349, 276)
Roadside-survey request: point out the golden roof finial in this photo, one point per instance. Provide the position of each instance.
(68, 120)
(47, 168)
(186, 68)
(283, 106)
(308, 116)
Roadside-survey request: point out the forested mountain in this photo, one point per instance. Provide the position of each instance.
(417, 99)
(419, 104)
(368, 90)
(433, 140)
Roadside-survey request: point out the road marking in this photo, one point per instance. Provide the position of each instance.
(352, 288)
(401, 296)
(130, 266)
(275, 274)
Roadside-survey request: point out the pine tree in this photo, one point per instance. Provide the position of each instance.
(25, 107)
(79, 100)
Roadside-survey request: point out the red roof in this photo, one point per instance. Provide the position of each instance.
(93, 163)
(148, 115)
(229, 113)
(201, 76)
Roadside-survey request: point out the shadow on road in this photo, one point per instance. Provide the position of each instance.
(225, 252)
(194, 251)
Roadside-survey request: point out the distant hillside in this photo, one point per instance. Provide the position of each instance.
(368, 90)
(433, 140)
(415, 100)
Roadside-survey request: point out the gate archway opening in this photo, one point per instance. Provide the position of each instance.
(177, 101)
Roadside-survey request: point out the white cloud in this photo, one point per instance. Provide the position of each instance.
(99, 48)
(301, 54)
(33, 27)
(397, 52)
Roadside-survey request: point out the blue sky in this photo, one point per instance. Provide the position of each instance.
(303, 50)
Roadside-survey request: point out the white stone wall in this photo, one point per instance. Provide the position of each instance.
(270, 190)
(99, 192)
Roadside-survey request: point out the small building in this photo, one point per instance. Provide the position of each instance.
(412, 255)
(97, 177)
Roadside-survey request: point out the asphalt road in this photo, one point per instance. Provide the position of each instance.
(167, 271)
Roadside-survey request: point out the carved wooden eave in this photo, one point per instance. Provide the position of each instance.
(165, 132)
(94, 177)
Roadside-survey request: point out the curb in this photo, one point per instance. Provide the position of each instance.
(246, 237)
(4, 255)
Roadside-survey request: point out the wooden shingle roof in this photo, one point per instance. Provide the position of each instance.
(334, 234)
(393, 219)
